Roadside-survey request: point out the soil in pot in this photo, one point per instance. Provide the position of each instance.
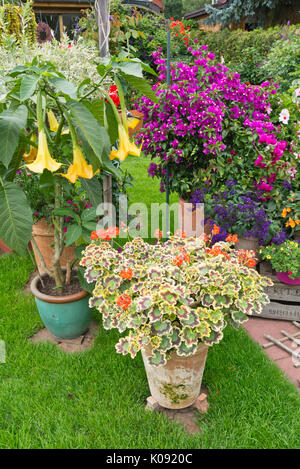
(48, 287)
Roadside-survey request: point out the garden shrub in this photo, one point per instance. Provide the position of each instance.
(17, 24)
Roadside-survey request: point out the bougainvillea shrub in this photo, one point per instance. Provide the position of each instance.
(209, 127)
(172, 295)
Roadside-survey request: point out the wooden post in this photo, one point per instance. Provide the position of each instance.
(102, 9)
(61, 27)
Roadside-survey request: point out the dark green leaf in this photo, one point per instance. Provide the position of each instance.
(28, 86)
(11, 125)
(73, 234)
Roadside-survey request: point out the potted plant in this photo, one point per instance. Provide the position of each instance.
(48, 127)
(174, 299)
(285, 259)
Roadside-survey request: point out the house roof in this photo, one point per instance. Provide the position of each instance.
(202, 12)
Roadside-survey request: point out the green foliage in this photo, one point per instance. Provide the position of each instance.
(284, 258)
(17, 24)
(237, 10)
(173, 9)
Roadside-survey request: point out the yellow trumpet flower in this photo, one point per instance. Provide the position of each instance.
(132, 122)
(53, 124)
(79, 167)
(31, 155)
(126, 147)
(43, 159)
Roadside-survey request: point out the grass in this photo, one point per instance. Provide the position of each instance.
(96, 399)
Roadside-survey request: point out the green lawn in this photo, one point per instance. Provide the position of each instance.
(96, 399)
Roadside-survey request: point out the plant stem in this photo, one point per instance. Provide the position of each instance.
(43, 264)
(58, 239)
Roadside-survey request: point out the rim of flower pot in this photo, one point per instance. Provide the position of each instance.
(55, 299)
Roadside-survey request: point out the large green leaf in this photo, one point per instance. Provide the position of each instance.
(15, 217)
(96, 135)
(28, 86)
(64, 86)
(73, 234)
(11, 125)
(141, 85)
(93, 190)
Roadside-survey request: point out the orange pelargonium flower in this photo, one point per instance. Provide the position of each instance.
(126, 274)
(232, 239)
(124, 301)
(94, 235)
(215, 230)
(251, 263)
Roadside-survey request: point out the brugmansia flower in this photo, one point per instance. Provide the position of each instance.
(79, 167)
(126, 147)
(132, 122)
(53, 124)
(31, 156)
(43, 159)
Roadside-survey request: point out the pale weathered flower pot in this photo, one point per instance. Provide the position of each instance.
(44, 238)
(191, 218)
(177, 384)
(248, 244)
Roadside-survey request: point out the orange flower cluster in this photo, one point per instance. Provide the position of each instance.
(182, 257)
(215, 230)
(124, 301)
(182, 31)
(243, 258)
(127, 273)
(107, 234)
(232, 239)
(217, 251)
(180, 233)
(158, 234)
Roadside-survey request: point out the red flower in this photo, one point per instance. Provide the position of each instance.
(94, 235)
(124, 301)
(113, 94)
(158, 234)
(126, 273)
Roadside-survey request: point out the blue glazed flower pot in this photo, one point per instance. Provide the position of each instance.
(66, 317)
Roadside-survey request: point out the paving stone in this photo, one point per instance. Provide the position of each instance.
(257, 327)
(79, 344)
(186, 417)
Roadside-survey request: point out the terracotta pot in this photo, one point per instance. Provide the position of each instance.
(4, 247)
(177, 384)
(191, 218)
(44, 238)
(66, 317)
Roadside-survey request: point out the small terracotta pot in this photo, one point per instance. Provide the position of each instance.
(191, 218)
(44, 238)
(177, 384)
(284, 278)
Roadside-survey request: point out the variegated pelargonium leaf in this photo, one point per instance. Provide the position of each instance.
(216, 277)
(183, 312)
(161, 327)
(243, 304)
(157, 359)
(135, 321)
(222, 300)
(189, 336)
(136, 287)
(154, 273)
(107, 322)
(168, 295)
(175, 336)
(184, 350)
(91, 275)
(111, 283)
(218, 326)
(239, 316)
(155, 314)
(143, 303)
(207, 300)
(96, 301)
(192, 320)
(165, 344)
(203, 329)
(214, 338)
(122, 346)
